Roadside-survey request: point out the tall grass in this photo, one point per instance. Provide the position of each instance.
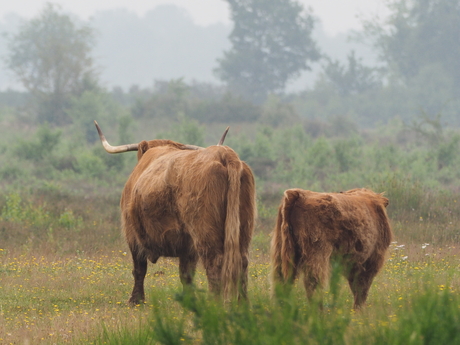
(431, 317)
(428, 315)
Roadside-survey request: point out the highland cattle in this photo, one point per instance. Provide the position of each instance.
(313, 229)
(188, 202)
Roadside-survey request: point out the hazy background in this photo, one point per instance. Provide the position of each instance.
(362, 114)
(139, 42)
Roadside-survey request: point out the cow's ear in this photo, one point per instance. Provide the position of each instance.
(142, 148)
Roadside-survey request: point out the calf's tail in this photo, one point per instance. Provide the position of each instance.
(285, 234)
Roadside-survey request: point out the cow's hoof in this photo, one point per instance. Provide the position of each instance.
(135, 302)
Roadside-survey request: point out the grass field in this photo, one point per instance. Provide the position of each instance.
(81, 299)
(65, 278)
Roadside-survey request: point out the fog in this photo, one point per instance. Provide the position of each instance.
(166, 43)
(408, 71)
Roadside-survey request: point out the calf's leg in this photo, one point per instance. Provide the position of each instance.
(360, 280)
(310, 282)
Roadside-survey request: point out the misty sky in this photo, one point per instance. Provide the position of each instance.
(336, 15)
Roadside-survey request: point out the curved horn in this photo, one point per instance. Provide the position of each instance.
(114, 149)
(192, 147)
(223, 136)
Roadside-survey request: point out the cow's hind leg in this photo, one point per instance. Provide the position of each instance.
(139, 272)
(243, 288)
(213, 267)
(187, 268)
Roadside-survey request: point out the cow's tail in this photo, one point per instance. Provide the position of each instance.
(287, 254)
(232, 263)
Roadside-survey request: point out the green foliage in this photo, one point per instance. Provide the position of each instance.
(68, 220)
(41, 146)
(18, 211)
(229, 108)
(277, 113)
(271, 43)
(168, 100)
(197, 101)
(12, 210)
(347, 152)
(354, 78)
(432, 318)
(418, 34)
(320, 155)
(50, 56)
(417, 42)
(187, 131)
(261, 240)
(405, 195)
(11, 172)
(262, 323)
(431, 131)
(447, 151)
(116, 163)
(90, 165)
(50, 155)
(57, 220)
(84, 109)
(427, 315)
(124, 124)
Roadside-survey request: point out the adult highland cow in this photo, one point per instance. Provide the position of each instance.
(192, 203)
(313, 228)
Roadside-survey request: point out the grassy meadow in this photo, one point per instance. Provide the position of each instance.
(82, 300)
(51, 293)
(65, 271)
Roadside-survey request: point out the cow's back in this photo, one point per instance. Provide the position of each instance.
(183, 193)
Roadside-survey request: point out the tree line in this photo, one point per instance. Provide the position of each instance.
(271, 44)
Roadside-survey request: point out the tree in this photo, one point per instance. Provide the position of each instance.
(417, 35)
(50, 56)
(354, 78)
(271, 44)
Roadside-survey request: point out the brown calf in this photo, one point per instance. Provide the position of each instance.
(312, 228)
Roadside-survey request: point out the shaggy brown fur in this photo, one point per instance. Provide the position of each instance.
(190, 204)
(351, 227)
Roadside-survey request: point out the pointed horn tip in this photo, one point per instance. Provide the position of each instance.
(223, 136)
(99, 131)
(97, 126)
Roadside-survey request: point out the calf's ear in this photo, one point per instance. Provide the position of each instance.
(386, 202)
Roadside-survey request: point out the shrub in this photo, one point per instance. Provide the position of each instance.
(187, 131)
(40, 146)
